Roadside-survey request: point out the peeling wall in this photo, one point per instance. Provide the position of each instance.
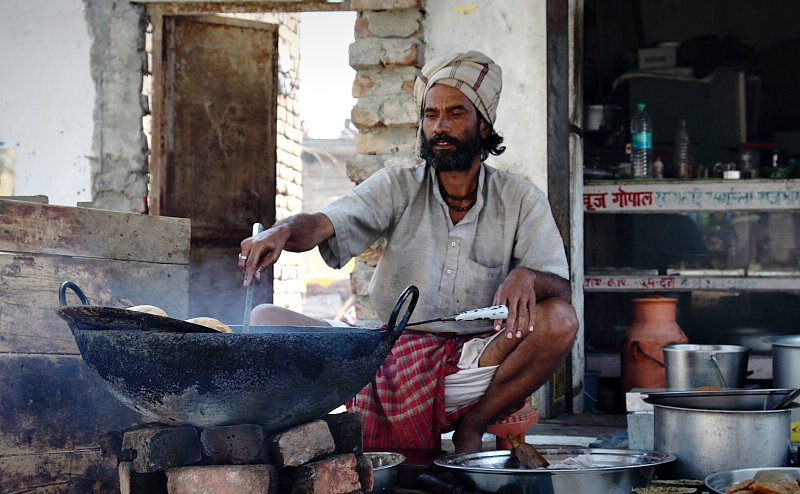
(46, 101)
(120, 172)
(513, 33)
(71, 101)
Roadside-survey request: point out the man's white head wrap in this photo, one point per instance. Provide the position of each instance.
(472, 73)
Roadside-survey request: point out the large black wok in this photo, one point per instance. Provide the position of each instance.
(181, 374)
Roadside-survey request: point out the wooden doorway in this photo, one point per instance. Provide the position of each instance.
(214, 138)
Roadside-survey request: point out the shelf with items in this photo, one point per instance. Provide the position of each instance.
(727, 250)
(654, 235)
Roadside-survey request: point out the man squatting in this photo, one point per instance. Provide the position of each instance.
(468, 235)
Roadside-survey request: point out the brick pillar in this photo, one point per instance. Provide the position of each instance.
(288, 286)
(387, 54)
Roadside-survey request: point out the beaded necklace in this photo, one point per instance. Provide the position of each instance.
(447, 198)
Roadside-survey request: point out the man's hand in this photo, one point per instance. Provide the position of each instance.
(298, 233)
(261, 251)
(518, 293)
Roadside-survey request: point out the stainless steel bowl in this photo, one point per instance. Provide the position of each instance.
(613, 471)
(720, 481)
(384, 470)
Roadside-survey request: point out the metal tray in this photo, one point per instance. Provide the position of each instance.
(726, 399)
(613, 471)
(720, 481)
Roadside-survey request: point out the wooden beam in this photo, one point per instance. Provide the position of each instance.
(172, 7)
(558, 156)
(559, 163)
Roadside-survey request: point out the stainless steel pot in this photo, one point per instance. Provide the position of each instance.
(613, 471)
(786, 371)
(708, 441)
(691, 366)
(786, 361)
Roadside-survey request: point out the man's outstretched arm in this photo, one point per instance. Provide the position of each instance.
(298, 233)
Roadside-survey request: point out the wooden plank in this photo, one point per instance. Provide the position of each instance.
(82, 471)
(53, 408)
(558, 157)
(158, 158)
(171, 7)
(56, 403)
(560, 180)
(94, 233)
(29, 286)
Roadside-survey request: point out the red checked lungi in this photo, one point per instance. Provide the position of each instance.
(403, 407)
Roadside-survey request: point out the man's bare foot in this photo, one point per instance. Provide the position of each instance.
(467, 441)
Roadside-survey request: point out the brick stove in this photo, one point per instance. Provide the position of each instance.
(323, 456)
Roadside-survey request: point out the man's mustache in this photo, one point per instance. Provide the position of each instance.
(444, 139)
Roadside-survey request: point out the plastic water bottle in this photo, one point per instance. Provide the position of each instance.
(641, 143)
(658, 168)
(682, 143)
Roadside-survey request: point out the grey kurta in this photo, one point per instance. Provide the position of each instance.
(456, 267)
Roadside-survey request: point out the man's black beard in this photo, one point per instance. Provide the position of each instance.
(459, 159)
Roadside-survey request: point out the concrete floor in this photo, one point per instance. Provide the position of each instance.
(583, 430)
(580, 430)
(588, 424)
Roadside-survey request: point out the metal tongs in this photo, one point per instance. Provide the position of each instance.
(786, 401)
(248, 299)
(493, 312)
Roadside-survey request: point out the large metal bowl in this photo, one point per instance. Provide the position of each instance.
(613, 471)
(720, 481)
(275, 376)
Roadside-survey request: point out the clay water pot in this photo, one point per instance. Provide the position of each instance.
(654, 326)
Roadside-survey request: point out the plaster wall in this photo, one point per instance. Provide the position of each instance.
(512, 32)
(47, 98)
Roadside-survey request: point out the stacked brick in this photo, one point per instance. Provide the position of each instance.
(323, 456)
(387, 53)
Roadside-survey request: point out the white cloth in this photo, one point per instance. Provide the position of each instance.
(578, 462)
(473, 73)
(464, 387)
